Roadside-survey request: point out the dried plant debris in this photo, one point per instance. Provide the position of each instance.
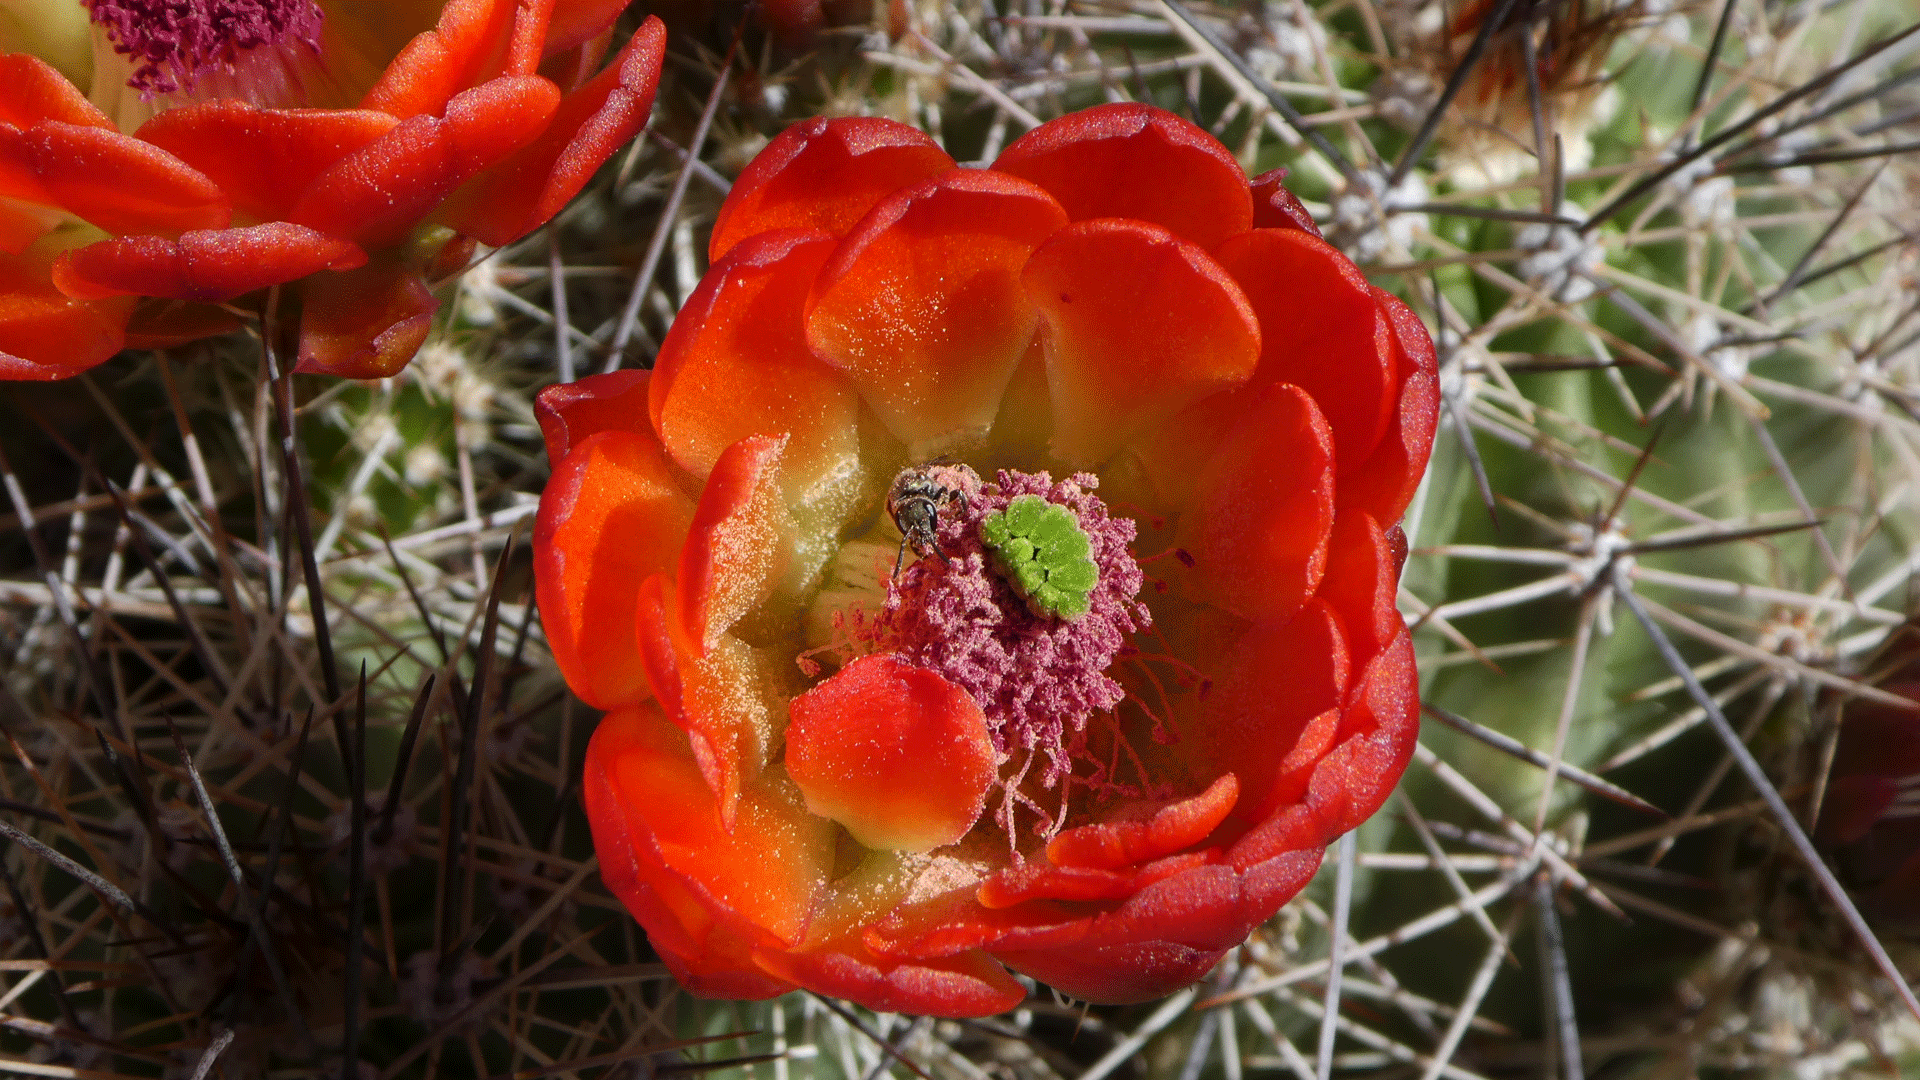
(290, 784)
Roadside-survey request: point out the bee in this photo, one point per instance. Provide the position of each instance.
(916, 498)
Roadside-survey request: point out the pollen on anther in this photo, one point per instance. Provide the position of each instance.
(170, 42)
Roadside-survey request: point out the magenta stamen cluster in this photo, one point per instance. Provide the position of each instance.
(172, 41)
(1036, 678)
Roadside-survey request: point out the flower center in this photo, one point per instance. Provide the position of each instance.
(171, 42)
(1025, 604)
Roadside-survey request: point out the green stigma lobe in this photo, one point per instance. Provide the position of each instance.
(1039, 548)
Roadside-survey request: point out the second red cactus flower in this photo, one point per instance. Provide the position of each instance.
(158, 161)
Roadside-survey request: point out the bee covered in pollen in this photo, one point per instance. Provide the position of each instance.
(915, 499)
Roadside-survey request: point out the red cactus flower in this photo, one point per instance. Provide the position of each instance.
(160, 159)
(1139, 437)
(1870, 816)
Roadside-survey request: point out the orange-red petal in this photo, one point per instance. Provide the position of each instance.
(709, 954)
(1262, 508)
(757, 879)
(706, 959)
(1119, 973)
(470, 44)
(894, 752)
(1274, 207)
(736, 363)
(824, 173)
(966, 984)
(1031, 881)
(1161, 938)
(32, 90)
(114, 181)
(1321, 331)
(1139, 324)
(1267, 737)
(1384, 484)
(264, 159)
(45, 334)
(21, 224)
(1379, 724)
(365, 323)
(1039, 881)
(1171, 459)
(610, 517)
(713, 695)
(515, 196)
(377, 194)
(203, 264)
(1151, 833)
(1378, 727)
(1202, 908)
(922, 305)
(1276, 880)
(527, 41)
(954, 922)
(575, 22)
(162, 324)
(1361, 585)
(569, 412)
(736, 543)
(569, 69)
(1127, 160)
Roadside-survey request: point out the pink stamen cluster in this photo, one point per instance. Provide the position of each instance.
(172, 41)
(1036, 678)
